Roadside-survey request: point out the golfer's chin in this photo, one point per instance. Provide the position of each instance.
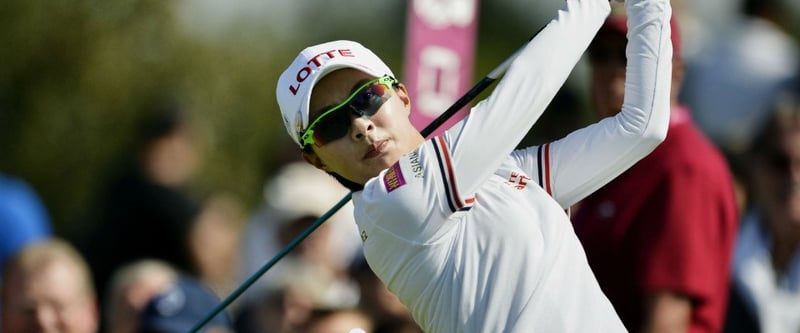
(372, 169)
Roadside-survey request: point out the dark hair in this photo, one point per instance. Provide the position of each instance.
(785, 105)
(160, 119)
(765, 136)
(758, 7)
(352, 186)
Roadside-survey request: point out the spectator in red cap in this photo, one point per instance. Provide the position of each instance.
(659, 237)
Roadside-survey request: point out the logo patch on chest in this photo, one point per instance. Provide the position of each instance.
(393, 178)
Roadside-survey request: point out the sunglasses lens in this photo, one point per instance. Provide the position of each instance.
(336, 124)
(369, 100)
(332, 127)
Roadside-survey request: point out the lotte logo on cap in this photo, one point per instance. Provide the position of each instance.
(296, 82)
(316, 61)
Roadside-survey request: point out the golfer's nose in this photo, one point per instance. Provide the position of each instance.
(360, 127)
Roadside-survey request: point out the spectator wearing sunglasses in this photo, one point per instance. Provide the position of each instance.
(470, 234)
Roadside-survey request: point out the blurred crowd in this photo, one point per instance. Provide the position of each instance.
(159, 258)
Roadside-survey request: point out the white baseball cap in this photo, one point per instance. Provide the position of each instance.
(314, 62)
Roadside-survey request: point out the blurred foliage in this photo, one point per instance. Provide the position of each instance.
(77, 75)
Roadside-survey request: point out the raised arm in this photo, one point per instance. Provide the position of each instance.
(590, 157)
(496, 125)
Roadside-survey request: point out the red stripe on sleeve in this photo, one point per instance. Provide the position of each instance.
(450, 174)
(547, 169)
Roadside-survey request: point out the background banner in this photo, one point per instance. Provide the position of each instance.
(439, 57)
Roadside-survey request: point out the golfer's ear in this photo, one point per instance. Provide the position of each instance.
(402, 93)
(313, 159)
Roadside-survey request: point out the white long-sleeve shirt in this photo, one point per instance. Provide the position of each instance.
(472, 236)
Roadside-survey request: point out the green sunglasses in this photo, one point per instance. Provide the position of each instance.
(334, 124)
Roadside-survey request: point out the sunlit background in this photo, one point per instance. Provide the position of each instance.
(75, 76)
